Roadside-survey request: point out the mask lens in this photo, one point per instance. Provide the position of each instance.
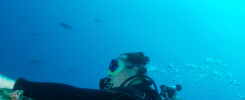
(113, 65)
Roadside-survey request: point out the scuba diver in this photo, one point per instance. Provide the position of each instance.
(126, 81)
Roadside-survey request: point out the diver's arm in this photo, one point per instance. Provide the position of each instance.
(57, 91)
(6, 82)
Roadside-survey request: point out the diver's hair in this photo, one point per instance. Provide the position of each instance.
(137, 59)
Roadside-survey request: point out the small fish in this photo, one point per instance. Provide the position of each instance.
(23, 18)
(34, 34)
(34, 62)
(23, 43)
(97, 20)
(60, 11)
(64, 25)
(71, 70)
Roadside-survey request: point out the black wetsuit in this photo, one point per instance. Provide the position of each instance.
(57, 91)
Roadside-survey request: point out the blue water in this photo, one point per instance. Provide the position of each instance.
(197, 43)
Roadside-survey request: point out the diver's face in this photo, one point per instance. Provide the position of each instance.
(119, 78)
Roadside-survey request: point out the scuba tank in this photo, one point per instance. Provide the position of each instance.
(166, 93)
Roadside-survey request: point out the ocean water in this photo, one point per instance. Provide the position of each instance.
(196, 43)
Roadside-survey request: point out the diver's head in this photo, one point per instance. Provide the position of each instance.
(127, 65)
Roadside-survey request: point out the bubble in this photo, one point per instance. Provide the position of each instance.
(222, 92)
(208, 75)
(152, 69)
(220, 76)
(209, 61)
(218, 62)
(225, 65)
(203, 75)
(171, 65)
(229, 75)
(234, 82)
(163, 70)
(216, 73)
(239, 96)
(190, 66)
(175, 70)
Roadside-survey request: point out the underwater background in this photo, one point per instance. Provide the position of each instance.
(199, 44)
